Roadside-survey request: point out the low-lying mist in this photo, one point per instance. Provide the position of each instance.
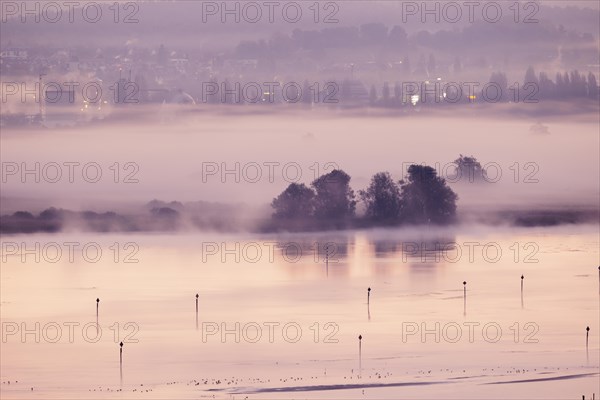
(204, 154)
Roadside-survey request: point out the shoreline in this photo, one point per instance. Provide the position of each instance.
(164, 220)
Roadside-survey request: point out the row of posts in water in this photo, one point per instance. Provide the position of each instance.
(587, 329)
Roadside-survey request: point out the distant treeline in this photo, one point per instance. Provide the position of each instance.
(156, 216)
(535, 88)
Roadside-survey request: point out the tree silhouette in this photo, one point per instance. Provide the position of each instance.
(373, 95)
(397, 36)
(397, 93)
(469, 170)
(141, 85)
(567, 85)
(426, 198)
(530, 77)
(382, 199)
(500, 79)
(547, 87)
(385, 94)
(560, 85)
(592, 86)
(306, 93)
(297, 201)
(334, 198)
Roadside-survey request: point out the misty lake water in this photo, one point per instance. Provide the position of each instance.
(275, 324)
(300, 316)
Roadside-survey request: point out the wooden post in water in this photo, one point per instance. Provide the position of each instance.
(97, 304)
(197, 310)
(369, 303)
(359, 356)
(121, 362)
(465, 298)
(522, 277)
(587, 336)
(587, 349)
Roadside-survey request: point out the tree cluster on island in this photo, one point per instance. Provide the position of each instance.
(422, 197)
(329, 203)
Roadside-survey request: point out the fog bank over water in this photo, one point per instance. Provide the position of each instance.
(250, 159)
